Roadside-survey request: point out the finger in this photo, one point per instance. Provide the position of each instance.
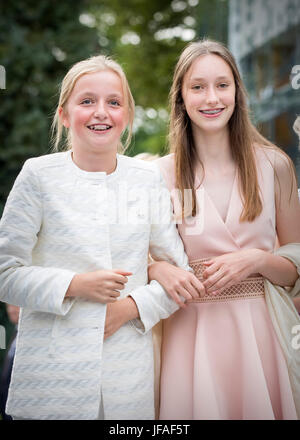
(211, 270)
(222, 284)
(100, 298)
(122, 272)
(181, 290)
(178, 300)
(114, 293)
(110, 293)
(118, 286)
(213, 279)
(116, 282)
(119, 278)
(189, 288)
(181, 303)
(207, 263)
(199, 287)
(111, 299)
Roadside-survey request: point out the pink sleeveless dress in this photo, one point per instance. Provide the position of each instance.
(221, 359)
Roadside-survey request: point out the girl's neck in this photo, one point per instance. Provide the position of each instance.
(95, 162)
(213, 149)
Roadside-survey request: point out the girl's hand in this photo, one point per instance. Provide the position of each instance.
(229, 269)
(100, 286)
(176, 281)
(118, 314)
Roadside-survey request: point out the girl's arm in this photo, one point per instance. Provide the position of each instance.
(229, 269)
(46, 289)
(150, 303)
(21, 283)
(179, 283)
(165, 245)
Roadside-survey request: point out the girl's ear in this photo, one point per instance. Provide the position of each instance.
(64, 117)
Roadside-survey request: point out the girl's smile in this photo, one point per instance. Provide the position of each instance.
(214, 113)
(99, 127)
(96, 114)
(208, 92)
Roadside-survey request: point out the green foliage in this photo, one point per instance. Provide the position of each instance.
(149, 64)
(39, 41)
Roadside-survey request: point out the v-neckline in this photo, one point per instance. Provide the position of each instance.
(224, 221)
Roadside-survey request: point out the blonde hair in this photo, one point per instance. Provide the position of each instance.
(90, 65)
(243, 136)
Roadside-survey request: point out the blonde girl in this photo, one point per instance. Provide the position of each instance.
(221, 356)
(74, 241)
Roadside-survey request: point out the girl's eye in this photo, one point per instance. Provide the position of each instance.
(87, 101)
(197, 87)
(114, 102)
(223, 85)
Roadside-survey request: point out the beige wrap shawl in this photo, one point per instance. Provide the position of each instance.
(286, 320)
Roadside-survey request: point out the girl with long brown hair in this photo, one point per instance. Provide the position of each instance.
(234, 194)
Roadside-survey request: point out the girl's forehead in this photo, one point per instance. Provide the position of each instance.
(208, 66)
(101, 80)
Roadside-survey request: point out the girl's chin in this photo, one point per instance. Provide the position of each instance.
(211, 127)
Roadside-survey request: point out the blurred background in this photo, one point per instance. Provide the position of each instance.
(40, 40)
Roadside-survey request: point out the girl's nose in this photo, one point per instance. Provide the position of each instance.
(100, 112)
(211, 97)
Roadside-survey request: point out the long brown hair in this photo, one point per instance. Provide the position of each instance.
(243, 136)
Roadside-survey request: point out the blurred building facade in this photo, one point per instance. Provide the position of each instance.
(264, 36)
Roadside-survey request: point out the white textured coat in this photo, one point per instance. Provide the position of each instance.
(60, 220)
